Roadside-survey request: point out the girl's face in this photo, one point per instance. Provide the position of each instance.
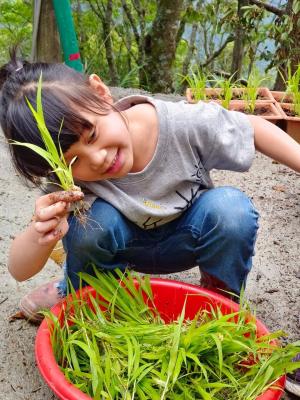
(105, 151)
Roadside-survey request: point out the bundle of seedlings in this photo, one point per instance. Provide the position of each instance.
(250, 94)
(54, 157)
(115, 345)
(293, 89)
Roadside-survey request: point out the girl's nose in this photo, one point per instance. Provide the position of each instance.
(97, 159)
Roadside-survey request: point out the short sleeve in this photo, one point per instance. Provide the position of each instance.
(226, 138)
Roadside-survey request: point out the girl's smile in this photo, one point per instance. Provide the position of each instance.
(117, 144)
(104, 152)
(115, 165)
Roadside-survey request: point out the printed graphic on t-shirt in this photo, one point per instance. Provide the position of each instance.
(151, 223)
(151, 204)
(198, 187)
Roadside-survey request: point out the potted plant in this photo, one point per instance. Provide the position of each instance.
(268, 111)
(198, 90)
(292, 109)
(292, 119)
(282, 97)
(197, 81)
(256, 100)
(258, 94)
(292, 86)
(224, 89)
(254, 92)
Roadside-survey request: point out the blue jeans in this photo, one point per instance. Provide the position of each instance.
(217, 233)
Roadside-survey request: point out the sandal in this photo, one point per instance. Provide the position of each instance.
(40, 299)
(293, 380)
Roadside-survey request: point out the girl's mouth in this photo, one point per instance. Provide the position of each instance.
(115, 165)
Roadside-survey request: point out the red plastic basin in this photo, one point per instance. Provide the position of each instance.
(169, 297)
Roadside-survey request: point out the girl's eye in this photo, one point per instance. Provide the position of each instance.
(92, 136)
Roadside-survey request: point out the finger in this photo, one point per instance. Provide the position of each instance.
(54, 235)
(47, 226)
(67, 196)
(52, 198)
(55, 210)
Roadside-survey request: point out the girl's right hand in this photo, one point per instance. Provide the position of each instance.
(51, 213)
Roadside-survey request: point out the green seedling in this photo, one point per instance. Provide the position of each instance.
(250, 93)
(226, 93)
(293, 87)
(50, 153)
(117, 346)
(197, 81)
(55, 158)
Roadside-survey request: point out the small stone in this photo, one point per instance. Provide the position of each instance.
(272, 290)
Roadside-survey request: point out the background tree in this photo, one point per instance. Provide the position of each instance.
(151, 44)
(45, 38)
(160, 45)
(286, 34)
(15, 26)
(104, 11)
(239, 42)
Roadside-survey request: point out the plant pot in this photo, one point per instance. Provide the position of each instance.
(268, 111)
(169, 298)
(282, 97)
(264, 94)
(291, 123)
(211, 94)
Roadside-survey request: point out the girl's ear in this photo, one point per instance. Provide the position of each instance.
(100, 87)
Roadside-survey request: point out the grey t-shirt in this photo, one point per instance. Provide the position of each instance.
(192, 140)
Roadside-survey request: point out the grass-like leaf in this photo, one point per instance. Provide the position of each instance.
(53, 156)
(135, 355)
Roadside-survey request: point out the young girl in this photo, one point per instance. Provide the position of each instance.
(144, 166)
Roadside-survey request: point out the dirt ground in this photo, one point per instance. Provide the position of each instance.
(273, 285)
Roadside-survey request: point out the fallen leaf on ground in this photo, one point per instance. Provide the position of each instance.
(279, 188)
(17, 315)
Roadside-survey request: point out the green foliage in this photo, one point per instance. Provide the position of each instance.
(120, 348)
(15, 26)
(129, 32)
(197, 80)
(293, 87)
(250, 93)
(226, 85)
(54, 158)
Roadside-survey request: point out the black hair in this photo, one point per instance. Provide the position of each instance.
(64, 93)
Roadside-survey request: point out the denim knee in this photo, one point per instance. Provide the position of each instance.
(231, 212)
(93, 243)
(227, 235)
(101, 230)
